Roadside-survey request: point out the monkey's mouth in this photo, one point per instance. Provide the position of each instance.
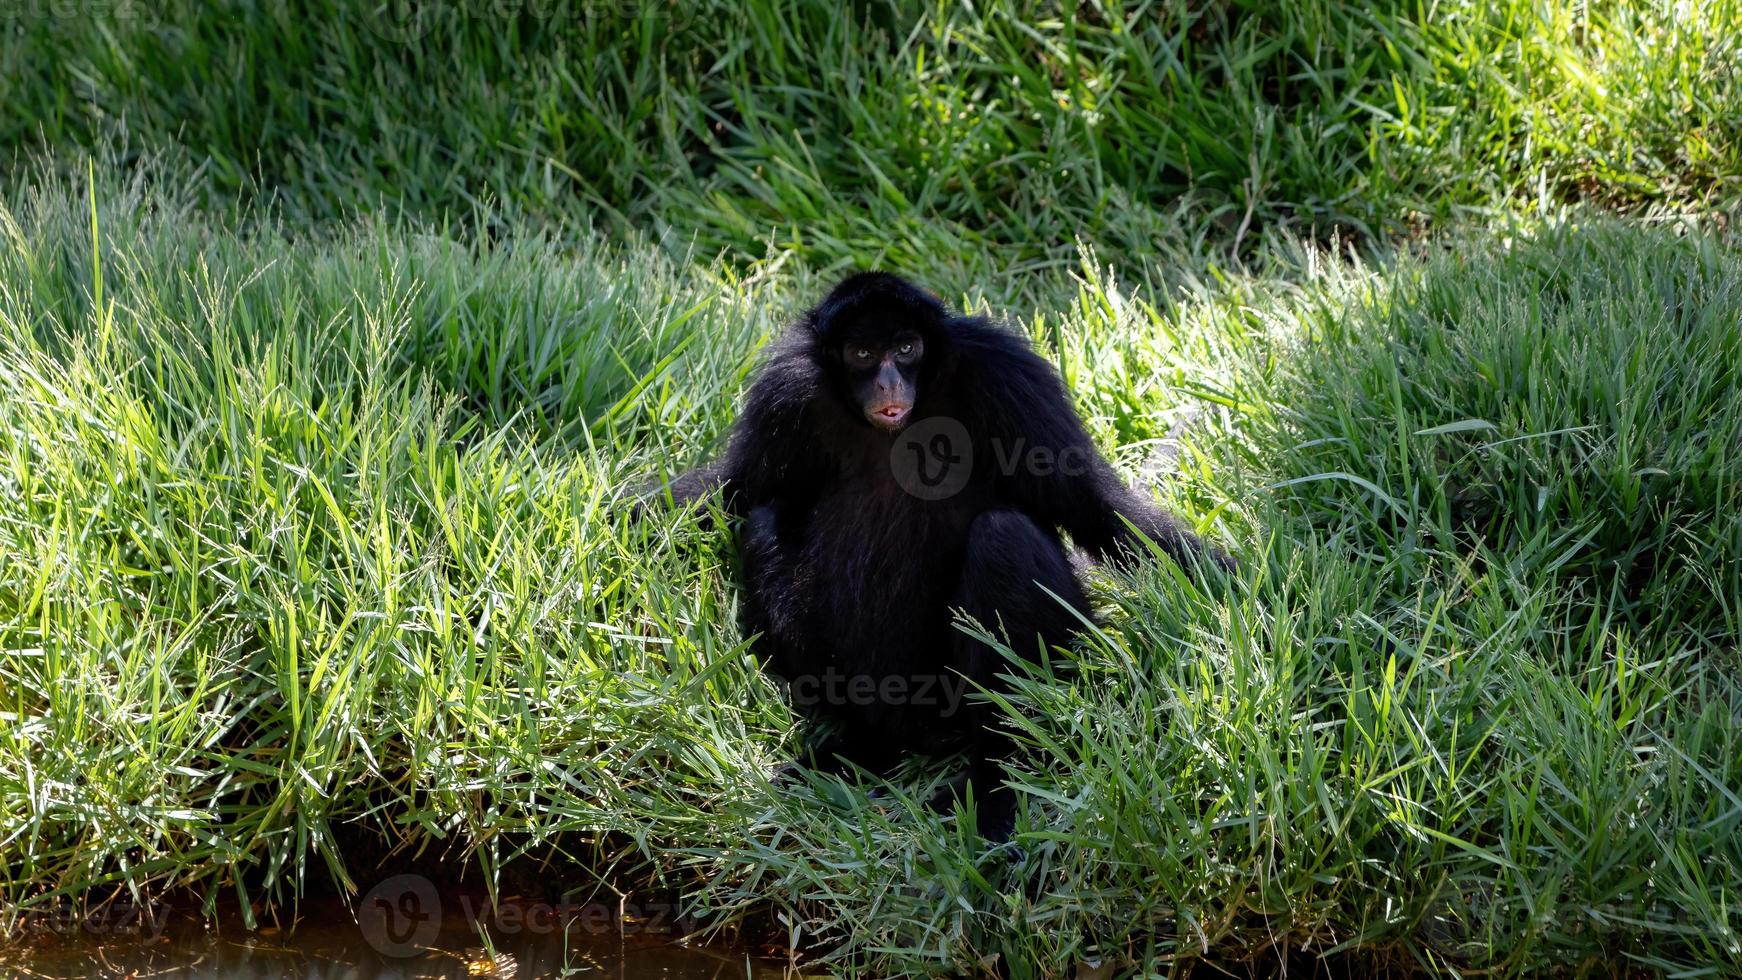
(888, 416)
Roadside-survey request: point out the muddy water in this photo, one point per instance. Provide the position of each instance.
(399, 932)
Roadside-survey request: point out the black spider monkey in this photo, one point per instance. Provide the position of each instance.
(895, 462)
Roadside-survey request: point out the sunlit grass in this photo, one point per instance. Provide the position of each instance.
(314, 549)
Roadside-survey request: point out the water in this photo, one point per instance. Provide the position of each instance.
(403, 929)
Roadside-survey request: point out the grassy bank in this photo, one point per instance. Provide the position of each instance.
(962, 139)
(316, 545)
(333, 335)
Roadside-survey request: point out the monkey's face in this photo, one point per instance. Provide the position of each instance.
(882, 375)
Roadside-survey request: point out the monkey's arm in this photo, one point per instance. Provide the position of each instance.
(1068, 484)
(1111, 515)
(699, 484)
(771, 452)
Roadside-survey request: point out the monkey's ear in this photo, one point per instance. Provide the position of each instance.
(811, 323)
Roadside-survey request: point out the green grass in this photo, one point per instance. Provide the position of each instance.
(302, 544)
(941, 136)
(315, 550)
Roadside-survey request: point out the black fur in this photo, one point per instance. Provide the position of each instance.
(849, 575)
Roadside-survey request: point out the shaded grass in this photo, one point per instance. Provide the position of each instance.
(314, 547)
(314, 558)
(954, 138)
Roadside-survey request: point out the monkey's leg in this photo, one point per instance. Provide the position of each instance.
(1011, 564)
(775, 605)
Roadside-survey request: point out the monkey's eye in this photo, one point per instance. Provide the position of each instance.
(862, 354)
(906, 349)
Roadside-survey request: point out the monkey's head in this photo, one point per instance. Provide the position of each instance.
(880, 338)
